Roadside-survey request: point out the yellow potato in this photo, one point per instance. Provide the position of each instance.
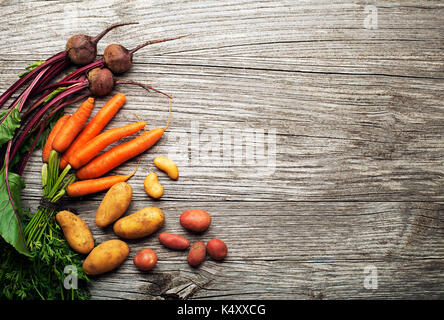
(152, 186)
(76, 232)
(167, 165)
(114, 204)
(105, 257)
(139, 224)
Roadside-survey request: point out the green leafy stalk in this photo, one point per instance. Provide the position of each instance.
(11, 225)
(9, 124)
(31, 67)
(54, 188)
(42, 275)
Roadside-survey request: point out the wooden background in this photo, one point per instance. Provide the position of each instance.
(358, 113)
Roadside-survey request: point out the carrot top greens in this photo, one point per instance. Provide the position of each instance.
(41, 274)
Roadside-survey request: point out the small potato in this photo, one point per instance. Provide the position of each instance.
(167, 165)
(139, 224)
(195, 220)
(76, 231)
(217, 249)
(114, 204)
(197, 254)
(173, 241)
(105, 257)
(145, 259)
(152, 186)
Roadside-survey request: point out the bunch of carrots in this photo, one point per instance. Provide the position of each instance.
(79, 144)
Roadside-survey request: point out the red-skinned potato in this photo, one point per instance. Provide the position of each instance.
(145, 259)
(195, 220)
(217, 249)
(173, 241)
(197, 254)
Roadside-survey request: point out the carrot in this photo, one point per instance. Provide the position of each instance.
(94, 126)
(73, 126)
(84, 187)
(121, 153)
(48, 145)
(88, 151)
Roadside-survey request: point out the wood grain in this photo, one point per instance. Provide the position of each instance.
(356, 175)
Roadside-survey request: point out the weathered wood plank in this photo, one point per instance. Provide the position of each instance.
(289, 250)
(356, 176)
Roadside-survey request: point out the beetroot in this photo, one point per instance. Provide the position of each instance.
(119, 59)
(101, 81)
(82, 49)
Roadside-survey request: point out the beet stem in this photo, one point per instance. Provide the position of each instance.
(43, 124)
(42, 111)
(97, 38)
(100, 63)
(52, 73)
(152, 42)
(145, 86)
(10, 91)
(60, 84)
(21, 100)
(8, 150)
(25, 160)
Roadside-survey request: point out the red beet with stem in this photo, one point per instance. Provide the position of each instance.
(80, 50)
(119, 59)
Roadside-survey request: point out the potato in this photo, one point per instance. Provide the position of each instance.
(173, 241)
(152, 186)
(114, 204)
(145, 259)
(195, 220)
(139, 224)
(168, 166)
(217, 249)
(197, 254)
(105, 257)
(76, 232)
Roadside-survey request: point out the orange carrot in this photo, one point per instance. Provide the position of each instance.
(73, 126)
(121, 153)
(84, 187)
(94, 126)
(91, 149)
(48, 145)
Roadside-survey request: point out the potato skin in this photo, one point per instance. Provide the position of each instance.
(152, 186)
(197, 254)
(105, 257)
(76, 231)
(139, 224)
(173, 241)
(114, 204)
(195, 220)
(167, 165)
(145, 259)
(217, 249)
